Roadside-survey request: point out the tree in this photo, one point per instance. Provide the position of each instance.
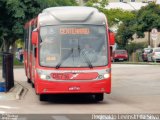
(145, 19)
(127, 27)
(100, 4)
(148, 18)
(126, 31)
(14, 14)
(117, 15)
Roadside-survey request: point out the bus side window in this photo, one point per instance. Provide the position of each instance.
(33, 47)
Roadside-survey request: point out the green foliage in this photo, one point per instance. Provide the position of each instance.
(100, 4)
(17, 62)
(19, 43)
(118, 15)
(148, 17)
(126, 30)
(53, 3)
(15, 13)
(145, 19)
(132, 47)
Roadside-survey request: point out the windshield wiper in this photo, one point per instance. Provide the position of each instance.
(67, 56)
(86, 58)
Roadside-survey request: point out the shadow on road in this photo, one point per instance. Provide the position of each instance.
(72, 99)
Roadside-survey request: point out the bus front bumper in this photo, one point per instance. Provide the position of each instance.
(48, 87)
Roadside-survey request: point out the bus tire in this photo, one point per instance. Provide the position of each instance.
(99, 97)
(43, 97)
(28, 80)
(33, 85)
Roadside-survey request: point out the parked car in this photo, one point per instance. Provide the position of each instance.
(145, 53)
(154, 55)
(120, 55)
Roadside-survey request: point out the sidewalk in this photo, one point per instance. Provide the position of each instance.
(13, 94)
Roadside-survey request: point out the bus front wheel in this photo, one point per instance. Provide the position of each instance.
(28, 80)
(43, 97)
(99, 97)
(32, 85)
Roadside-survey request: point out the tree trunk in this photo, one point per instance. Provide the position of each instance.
(149, 41)
(13, 49)
(1, 49)
(5, 45)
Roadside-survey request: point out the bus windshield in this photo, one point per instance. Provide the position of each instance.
(73, 46)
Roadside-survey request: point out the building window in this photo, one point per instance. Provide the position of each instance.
(133, 0)
(120, 0)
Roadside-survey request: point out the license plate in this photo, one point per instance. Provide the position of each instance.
(121, 59)
(74, 88)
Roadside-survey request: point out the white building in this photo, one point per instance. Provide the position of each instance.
(129, 5)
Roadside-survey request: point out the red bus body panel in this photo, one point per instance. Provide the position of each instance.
(72, 86)
(43, 87)
(82, 84)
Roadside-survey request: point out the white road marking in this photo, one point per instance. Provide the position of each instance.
(7, 107)
(60, 118)
(2, 112)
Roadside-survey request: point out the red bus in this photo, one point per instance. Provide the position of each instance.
(67, 51)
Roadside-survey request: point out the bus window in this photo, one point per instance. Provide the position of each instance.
(63, 45)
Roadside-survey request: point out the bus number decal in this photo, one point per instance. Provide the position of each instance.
(50, 58)
(84, 31)
(59, 76)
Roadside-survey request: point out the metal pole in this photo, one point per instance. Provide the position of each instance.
(149, 38)
(155, 43)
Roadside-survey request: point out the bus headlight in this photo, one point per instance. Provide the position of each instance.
(43, 75)
(106, 75)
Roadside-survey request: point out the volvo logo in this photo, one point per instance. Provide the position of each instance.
(74, 76)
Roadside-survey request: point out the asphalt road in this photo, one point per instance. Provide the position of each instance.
(135, 89)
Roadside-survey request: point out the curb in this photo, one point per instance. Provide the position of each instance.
(135, 63)
(19, 92)
(14, 93)
(18, 66)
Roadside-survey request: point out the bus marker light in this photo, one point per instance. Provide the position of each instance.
(44, 90)
(102, 89)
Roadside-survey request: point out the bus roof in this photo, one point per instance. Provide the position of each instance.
(71, 15)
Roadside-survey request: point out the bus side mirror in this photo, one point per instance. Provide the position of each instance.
(34, 37)
(111, 38)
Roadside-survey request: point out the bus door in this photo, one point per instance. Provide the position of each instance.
(26, 50)
(29, 54)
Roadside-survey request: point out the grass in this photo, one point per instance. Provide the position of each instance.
(16, 62)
